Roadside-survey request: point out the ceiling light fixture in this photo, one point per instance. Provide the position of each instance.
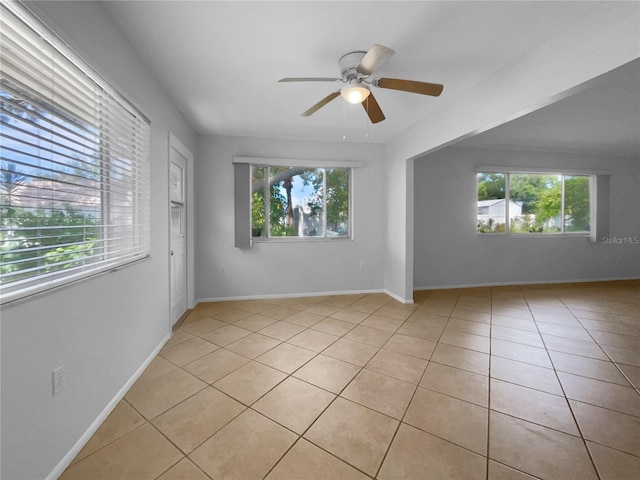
(355, 92)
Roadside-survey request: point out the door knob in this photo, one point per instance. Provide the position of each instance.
(172, 253)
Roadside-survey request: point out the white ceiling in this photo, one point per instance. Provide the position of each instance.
(601, 119)
(220, 61)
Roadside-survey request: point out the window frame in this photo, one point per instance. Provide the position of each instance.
(296, 238)
(507, 172)
(243, 193)
(121, 154)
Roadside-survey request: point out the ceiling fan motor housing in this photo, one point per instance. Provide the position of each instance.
(348, 64)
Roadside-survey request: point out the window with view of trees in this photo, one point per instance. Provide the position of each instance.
(74, 167)
(300, 202)
(528, 203)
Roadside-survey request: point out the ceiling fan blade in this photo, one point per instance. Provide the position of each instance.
(376, 56)
(321, 103)
(372, 108)
(424, 88)
(308, 79)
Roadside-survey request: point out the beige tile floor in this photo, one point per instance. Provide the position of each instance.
(480, 383)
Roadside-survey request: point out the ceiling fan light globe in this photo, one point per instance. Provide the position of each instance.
(354, 93)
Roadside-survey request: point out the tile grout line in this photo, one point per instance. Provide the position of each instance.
(611, 360)
(336, 396)
(600, 345)
(489, 387)
(584, 441)
(362, 368)
(246, 407)
(288, 375)
(301, 436)
(489, 399)
(550, 291)
(249, 407)
(401, 422)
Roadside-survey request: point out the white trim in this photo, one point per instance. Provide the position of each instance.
(508, 201)
(551, 170)
(518, 283)
(534, 235)
(288, 295)
(406, 301)
(241, 196)
(296, 162)
(178, 146)
(257, 240)
(84, 439)
(9, 301)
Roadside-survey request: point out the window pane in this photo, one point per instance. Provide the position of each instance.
(576, 204)
(491, 203)
(309, 200)
(296, 202)
(535, 203)
(337, 202)
(258, 212)
(300, 202)
(177, 219)
(280, 218)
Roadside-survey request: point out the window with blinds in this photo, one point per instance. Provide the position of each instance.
(74, 164)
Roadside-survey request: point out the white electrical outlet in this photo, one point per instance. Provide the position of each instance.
(363, 266)
(57, 376)
(223, 269)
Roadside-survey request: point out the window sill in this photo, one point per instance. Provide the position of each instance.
(533, 235)
(46, 288)
(301, 240)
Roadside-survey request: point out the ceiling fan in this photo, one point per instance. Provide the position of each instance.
(356, 69)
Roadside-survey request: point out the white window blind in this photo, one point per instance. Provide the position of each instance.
(75, 194)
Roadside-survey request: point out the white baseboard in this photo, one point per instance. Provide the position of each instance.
(537, 282)
(398, 297)
(287, 295)
(82, 441)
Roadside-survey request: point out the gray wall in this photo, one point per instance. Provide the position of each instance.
(104, 328)
(449, 253)
(285, 267)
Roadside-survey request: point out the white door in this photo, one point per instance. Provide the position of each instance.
(178, 234)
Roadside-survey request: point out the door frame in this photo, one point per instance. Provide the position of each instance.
(176, 145)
